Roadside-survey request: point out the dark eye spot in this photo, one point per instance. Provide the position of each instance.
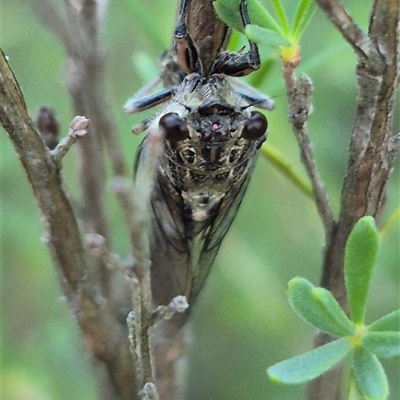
(174, 126)
(255, 126)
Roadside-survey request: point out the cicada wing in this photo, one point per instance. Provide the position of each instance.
(169, 250)
(227, 211)
(181, 263)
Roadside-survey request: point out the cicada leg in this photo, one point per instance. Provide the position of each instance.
(142, 100)
(185, 50)
(252, 96)
(237, 64)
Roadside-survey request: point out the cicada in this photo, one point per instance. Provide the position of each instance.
(212, 137)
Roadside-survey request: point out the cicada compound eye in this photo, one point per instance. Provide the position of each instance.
(174, 126)
(255, 126)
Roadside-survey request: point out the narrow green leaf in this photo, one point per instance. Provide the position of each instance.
(369, 375)
(390, 223)
(360, 255)
(304, 13)
(309, 365)
(284, 166)
(319, 308)
(354, 393)
(332, 310)
(257, 34)
(229, 15)
(260, 16)
(257, 13)
(282, 18)
(232, 4)
(390, 322)
(382, 344)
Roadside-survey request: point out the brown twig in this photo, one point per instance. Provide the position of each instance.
(78, 130)
(371, 154)
(135, 200)
(77, 32)
(299, 100)
(92, 313)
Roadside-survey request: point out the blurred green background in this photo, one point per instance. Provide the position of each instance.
(242, 323)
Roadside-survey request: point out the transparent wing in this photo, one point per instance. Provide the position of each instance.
(180, 265)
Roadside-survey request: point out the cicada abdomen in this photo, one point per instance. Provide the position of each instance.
(212, 135)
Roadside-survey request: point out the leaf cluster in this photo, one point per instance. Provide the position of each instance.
(366, 343)
(266, 29)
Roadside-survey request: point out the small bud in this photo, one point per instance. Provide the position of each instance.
(48, 126)
(95, 242)
(179, 304)
(130, 318)
(79, 126)
(150, 391)
(150, 388)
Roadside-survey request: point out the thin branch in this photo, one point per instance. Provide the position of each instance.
(78, 130)
(64, 239)
(178, 304)
(349, 29)
(394, 149)
(299, 99)
(371, 156)
(135, 200)
(77, 28)
(97, 245)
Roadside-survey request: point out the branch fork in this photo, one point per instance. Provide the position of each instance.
(78, 130)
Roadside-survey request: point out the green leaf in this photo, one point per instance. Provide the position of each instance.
(382, 344)
(257, 34)
(280, 13)
(369, 375)
(309, 365)
(304, 13)
(390, 322)
(232, 4)
(354, 393)
(228, 11)
(229, 15)
(360, 255)
(318, 307)
(285, 167)
(260, 16)
(333, 311)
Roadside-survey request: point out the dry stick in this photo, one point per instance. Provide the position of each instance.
(372, 150)
(86, 91)
(85, 80)
(135, 200)
(82, 71)
(78, 130)
(63, 238)
(299, 99)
